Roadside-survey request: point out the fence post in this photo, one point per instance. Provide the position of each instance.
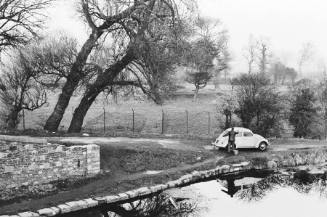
(209, 123)
(24, 127)
(133, 120)
(162, 121)
(186, 111)
(104, 120)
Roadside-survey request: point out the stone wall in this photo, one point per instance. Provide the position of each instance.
(26, 161)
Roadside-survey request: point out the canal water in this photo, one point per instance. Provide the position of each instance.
(273, 196)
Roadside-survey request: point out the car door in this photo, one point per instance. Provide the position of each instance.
(249, 140)
(239, 140)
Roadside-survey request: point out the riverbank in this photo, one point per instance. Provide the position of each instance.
(210, 168)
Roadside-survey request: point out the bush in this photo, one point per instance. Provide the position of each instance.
(304, 114)
(260, 105)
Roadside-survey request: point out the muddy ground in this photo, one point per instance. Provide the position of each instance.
(129, 163)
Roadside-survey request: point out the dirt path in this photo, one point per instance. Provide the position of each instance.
(179, 144)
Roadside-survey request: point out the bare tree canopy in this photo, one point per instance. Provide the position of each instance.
(127, 27)
(282, 74)
(264, 55)
(250, 53)
(56, 54)
(306, 53)
(20, 20)
(206, 55)
(20, 88)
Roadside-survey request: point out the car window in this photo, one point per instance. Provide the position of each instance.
(239, 134)
(248, 134)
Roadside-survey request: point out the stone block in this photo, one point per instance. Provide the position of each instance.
(155, 189)
(173, 184)
(225, 168)
(143, 191)
(132, 194)
(123, 196)
(64, 208)
(47, 212)
(101, 200)
(112, 199)
(74, 206)
(28, 214)
(91, 202)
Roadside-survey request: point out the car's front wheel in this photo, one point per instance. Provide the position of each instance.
(263, 146)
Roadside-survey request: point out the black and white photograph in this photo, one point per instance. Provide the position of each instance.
(163, 108)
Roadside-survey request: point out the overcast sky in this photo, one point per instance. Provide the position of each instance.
(286, 23)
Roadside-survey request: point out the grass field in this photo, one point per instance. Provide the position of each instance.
(179, 115)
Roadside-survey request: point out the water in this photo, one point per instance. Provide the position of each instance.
(275, 195)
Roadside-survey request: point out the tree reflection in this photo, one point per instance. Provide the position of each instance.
(301, 181)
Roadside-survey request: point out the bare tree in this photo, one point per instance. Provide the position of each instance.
(19, 88)
(207, 53)
(281, 73)
(56, 54)
(131, 27)
(125, 23)
(322, 98)
(305, 54)
(249, 53)
(264, 53)
(20, 20)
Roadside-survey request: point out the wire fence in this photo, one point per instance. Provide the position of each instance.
(102, 119)
(108, 119)
(154, 122)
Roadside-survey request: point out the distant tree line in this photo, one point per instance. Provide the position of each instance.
(258, 104)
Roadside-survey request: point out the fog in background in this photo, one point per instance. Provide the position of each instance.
(286, 24)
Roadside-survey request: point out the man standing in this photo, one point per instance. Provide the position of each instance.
(231, 140)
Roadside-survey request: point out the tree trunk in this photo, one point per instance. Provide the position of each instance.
(103, 80)
(80, 112)
(55, 118)
(226, 121)
(12, 120)
(72, 82)
(196, 93)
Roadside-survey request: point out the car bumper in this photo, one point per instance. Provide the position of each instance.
(218, 145)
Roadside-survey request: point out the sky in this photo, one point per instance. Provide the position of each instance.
(286, 24)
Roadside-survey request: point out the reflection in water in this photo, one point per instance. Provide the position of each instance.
(279, 195)
(232, 189)
(244, 182)
(302, 182)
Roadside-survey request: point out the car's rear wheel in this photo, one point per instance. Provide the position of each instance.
(263, 146)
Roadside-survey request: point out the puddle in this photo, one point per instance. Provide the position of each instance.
(166, 143)
(152, 172)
